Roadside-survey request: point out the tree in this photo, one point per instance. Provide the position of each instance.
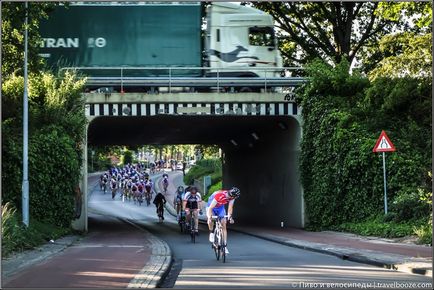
(407, 52)
(404, 54)
(12, 35)
(335, 30)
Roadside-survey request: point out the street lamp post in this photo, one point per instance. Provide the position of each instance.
(25, 185)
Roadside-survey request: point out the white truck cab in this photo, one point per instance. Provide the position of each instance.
(241, 39)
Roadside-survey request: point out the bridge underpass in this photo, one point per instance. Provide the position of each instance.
(259, 141)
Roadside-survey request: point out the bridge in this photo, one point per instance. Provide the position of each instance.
(259, 134)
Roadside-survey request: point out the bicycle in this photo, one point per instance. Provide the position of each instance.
(104, 187)
(181, 222)
(192, 229)
(165, 185)
(219, 243)
(140, 198)
(114, 191)
(148, 198)
(160, 212)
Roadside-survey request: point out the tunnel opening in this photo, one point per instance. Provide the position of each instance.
(259, 155)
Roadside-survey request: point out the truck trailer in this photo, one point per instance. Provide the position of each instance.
(109, 40)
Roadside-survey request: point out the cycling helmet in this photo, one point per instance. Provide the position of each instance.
(180, 188)
(234, 192)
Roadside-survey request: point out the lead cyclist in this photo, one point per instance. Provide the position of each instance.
(216, 207)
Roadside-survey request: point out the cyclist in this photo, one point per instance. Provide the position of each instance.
(177, 201)
(141, 190)
(216, 206)
(191, 205)
(104, 181)
(148, 190)
(134, 192)
(165, 181)
(113, 187)
(159, 202)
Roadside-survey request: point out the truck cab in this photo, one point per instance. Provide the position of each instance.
(240, 42)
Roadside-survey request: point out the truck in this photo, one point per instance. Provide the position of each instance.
(108, 40)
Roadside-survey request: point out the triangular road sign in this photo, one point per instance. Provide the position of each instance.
(384, 144)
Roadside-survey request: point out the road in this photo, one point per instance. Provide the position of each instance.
(252, 262)
(110, 256)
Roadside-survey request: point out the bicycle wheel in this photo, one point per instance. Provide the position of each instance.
(192, 235)
(216, 251)
(223, 252)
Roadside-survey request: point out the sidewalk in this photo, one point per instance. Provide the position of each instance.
(410, 258)
(110, 256)
(385, 253)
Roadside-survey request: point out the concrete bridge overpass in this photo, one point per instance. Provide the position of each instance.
(259, 134)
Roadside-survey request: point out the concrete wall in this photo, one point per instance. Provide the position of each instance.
(267, 175)
(81, 223)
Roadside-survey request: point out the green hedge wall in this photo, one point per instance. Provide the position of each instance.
(343, 115)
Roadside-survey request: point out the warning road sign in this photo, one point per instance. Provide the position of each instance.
(384, 144)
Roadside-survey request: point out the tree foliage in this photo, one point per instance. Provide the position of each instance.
(328, 30)
(343, 115)
(337, 30)
(56, 126)
(12, 31)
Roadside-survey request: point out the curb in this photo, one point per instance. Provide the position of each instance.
(350, 255)
(345, 253)
(20, 261)
(154, 272)
(160, 262)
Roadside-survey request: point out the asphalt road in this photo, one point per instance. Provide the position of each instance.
(252, 262)
(109, 256)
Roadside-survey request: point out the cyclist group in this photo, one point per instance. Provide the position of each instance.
(133, 182)
(188, 202)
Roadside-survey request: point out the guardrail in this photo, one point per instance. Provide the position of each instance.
(171, 77)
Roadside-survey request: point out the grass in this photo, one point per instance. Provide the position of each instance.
(16, 237)
(376, 226)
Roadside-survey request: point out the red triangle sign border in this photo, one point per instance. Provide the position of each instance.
(377, 145)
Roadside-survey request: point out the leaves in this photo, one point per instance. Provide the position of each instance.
(56, 126)
(343, 114)
(332, 31)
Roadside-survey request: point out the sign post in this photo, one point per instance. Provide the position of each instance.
(384, 145)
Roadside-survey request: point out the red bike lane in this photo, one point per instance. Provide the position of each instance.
(110, 256)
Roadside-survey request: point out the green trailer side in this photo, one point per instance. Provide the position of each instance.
(102, 36)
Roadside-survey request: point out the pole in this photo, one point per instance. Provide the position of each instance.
(385, 184)
(25, 186)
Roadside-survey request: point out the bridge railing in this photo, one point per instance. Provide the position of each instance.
(171, 77)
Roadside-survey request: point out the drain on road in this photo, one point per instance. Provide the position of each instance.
(171, 277)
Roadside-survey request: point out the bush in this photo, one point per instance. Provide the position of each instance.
(55, 172)
(424, 233)
(16, 237)
(376, 227)
(407, 205)
(54, 150)
(204, 167)
(213, 188)
(343, 115)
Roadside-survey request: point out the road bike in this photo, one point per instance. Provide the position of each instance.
(114, 190)
(160, 212)
(192, 229)
(148, 196)
(181, 221)
(219, 245)
(140, 198)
